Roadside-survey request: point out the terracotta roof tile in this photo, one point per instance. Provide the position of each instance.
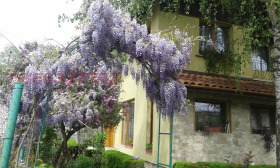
(227, 84)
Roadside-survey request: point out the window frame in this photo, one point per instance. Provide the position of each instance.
(228, 114)
(262, 106)
(213, 32)
(127, 122)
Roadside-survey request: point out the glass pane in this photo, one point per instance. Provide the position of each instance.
(208, 114)
(131, 120)
(262, 117)
(206, 33)
(124, 129)
(221, 38)
(260, 58)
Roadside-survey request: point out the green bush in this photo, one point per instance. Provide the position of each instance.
(116, 159)
(218, 165)
(213, 165)
(44, 165)
(264, 166)
(89, 153)
(82, 162)
(185, 165)
(71, 143)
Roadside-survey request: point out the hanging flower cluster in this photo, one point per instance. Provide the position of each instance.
(159, 58)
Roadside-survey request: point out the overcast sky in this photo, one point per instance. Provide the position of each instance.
(29, 20)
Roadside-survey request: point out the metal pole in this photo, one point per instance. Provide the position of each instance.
(171, 140)
(43, 124)
(21, 154)
(158, 139)
(10, 130)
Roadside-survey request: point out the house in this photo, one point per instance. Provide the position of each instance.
(225, 115)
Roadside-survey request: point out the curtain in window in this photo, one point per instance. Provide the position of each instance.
(260, 58)
(206, 33)
(262, 117)
(221, 38)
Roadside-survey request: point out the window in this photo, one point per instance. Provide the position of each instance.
(262, 117)
(260, 58)
(128, 124)
(218, 35)
(212, 116)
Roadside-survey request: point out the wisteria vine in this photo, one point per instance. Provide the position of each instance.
(159, 58)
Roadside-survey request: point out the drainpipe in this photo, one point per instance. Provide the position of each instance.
(11, 124)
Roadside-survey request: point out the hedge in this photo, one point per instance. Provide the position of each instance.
(213, 165)
(185, 165)
(116, 159)
(217, 165)
(264, 166)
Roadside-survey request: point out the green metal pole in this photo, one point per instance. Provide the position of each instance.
(158, 139)
(10, 130)
(43, 124)
(171, 140)
(21, 154)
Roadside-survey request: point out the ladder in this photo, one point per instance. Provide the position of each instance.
(171, 138)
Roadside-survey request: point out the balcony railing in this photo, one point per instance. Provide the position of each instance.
(262, 70)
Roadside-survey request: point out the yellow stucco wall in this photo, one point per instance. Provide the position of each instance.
(136, 92)
(163, 21)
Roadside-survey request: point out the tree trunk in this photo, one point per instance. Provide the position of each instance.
(57, 155)
(275, 55)
(64, 145)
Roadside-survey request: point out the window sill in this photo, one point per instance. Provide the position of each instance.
(199, 55)
(130, 146)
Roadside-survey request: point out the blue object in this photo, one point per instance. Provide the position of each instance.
(21, 154)
(10, 129)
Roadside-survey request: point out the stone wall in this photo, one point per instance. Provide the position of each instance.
(192, 146)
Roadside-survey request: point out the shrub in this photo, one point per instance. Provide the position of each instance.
(89, 153)
(44, 165)
(82, 162)
(184, 165)
(117, 159)
(71, 143)
(218, 165)
(264, 166)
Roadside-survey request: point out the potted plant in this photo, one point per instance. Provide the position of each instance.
(149, 148)
(129, 142)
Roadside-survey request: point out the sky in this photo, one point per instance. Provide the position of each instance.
(30, 20)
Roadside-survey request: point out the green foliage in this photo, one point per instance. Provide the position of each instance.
(149, 146)
(100, 140)
(185, 165)
(117, 159)
(219, 61)
(99, 144)
(48, 149)
(213, 165)
(71, 143)
(89, 152)
(264, 166)
(82, 162)
(129, 141)
(87, 142)
(218, 165)
(44, 165)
